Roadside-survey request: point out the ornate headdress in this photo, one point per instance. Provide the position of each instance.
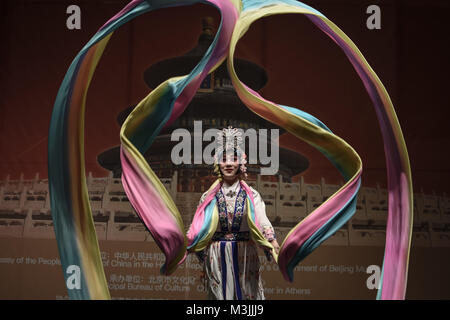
(230, 139)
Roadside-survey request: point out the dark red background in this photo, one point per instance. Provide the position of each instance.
(306, 69)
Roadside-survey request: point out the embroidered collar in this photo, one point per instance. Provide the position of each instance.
(231, 190)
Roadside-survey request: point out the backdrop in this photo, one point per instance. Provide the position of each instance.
(408, 53)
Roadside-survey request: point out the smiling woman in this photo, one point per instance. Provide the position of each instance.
(230, 259)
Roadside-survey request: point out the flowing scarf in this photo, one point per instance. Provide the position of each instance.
(71, 211)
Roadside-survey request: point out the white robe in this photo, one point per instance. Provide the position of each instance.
(221, 273)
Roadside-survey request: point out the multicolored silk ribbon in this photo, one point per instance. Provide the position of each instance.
(72, 215)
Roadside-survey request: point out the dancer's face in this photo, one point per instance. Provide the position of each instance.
(229, 165)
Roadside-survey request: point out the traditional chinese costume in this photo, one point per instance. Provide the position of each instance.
(231, 260)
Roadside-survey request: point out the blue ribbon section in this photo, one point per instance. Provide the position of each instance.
(236, 270)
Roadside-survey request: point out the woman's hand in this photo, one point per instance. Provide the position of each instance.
(202, 276)
(276, 246)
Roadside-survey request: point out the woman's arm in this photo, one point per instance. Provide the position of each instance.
(264, 222)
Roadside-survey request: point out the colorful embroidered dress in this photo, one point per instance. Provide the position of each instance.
(231, 260)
